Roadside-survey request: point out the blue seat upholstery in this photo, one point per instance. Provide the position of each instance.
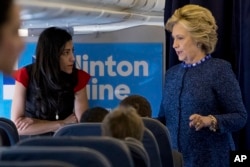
(38, 163)
(94, 129)
(4, 138)
(138, 152)
(115, 150)
(152, 148)
(9, 131)
(79, 157)
(10, 122)
(80, 129)
(169, 157)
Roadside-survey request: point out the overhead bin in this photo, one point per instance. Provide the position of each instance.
(82, 14)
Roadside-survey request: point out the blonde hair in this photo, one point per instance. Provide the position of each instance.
(123, 122)
(199, 22)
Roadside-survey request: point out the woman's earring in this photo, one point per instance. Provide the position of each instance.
(199, 45)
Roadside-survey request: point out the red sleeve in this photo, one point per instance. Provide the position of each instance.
(83, 79)
(22, 76)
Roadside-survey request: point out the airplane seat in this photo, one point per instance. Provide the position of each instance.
(152, 148)
(115, 150)
(138, 152)
(169, 157)
(80, 129)
(73, 155)
(38, 163)
(9, 134)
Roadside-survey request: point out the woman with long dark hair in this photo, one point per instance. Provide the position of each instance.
(50, 92)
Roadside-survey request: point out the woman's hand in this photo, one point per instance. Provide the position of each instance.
(23, 123)
(70, 119)
(198, 122)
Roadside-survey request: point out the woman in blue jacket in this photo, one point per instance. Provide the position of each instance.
(202, 102)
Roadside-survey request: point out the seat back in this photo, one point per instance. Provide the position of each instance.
(79, 157)
(94, 129)
(138, 152)
(152, 148)
(115, 150)
(38, 163)
(4, 138)
(80, 129)
(162, 137)
(10, 122)
(10, 131)
(178, 159)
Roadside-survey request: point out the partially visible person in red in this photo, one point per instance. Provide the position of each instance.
(11, 44)
(50, 92)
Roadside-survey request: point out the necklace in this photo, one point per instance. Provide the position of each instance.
(57, 116)
(197, 63)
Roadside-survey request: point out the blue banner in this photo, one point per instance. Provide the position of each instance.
(117, 70)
